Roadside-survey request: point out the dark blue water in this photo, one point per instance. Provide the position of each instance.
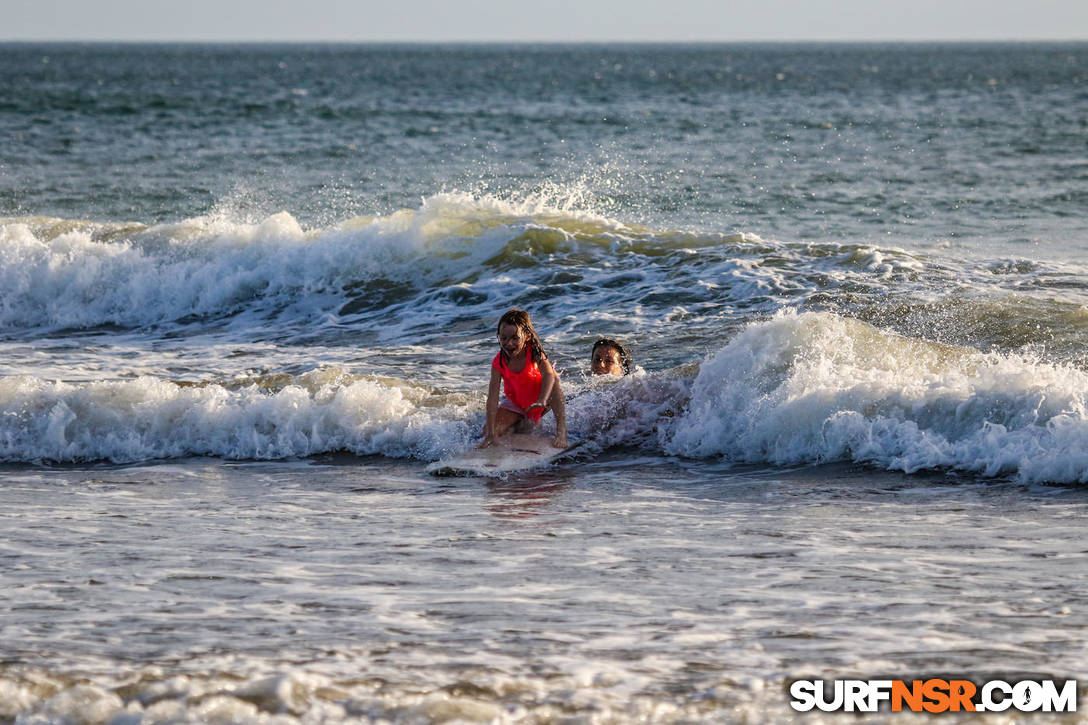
(915, 142)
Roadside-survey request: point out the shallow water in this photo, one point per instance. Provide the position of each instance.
(614, 589)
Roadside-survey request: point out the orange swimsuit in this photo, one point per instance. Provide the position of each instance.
(522, 388)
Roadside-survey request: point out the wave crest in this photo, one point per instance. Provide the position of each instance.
(150, 418)
(82, 274)
(815, 387)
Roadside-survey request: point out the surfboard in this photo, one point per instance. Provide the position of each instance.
(509, 454)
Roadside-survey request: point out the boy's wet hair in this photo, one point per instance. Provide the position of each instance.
(520, 319)
(625, 356)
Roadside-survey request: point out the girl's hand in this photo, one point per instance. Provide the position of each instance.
(560, 440)
(535, 405)
(488, 440)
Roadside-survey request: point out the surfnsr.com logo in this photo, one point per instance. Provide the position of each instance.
(933, 695)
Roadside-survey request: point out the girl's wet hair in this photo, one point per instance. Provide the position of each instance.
(625, 356)
(520, 319)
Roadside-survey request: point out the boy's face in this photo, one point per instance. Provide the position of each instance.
(606, 361)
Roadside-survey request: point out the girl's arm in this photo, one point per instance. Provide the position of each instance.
(559, 407)
(551, 396)
(548, 380)
(492, 408)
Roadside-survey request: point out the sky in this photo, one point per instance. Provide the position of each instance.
(543, 20)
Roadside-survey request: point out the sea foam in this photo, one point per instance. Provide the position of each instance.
(815, 387)
(452, 253)
(796, 389)
(150, 418)
(85, 274)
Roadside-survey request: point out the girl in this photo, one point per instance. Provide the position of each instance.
(609, 357)
(529, 382)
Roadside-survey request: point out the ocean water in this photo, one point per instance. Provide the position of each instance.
(248, 293)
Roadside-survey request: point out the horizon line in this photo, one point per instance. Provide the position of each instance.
(778, 41)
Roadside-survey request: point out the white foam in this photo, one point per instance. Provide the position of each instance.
(816, 387)
(151, 418)
(600, 692)
(69, 274)
(77, 705)
(628, 411)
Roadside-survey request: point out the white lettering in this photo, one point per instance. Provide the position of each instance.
(821, 697)
(1027, 696)
(879, 691)
(804, 695)
(1065, 701)
(988, 701)
(856, 695)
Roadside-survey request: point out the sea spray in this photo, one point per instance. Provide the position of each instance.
(454, 255)
(797, 389)
(636, 410)
(82, 274)
(814, 387)
(149, 418)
